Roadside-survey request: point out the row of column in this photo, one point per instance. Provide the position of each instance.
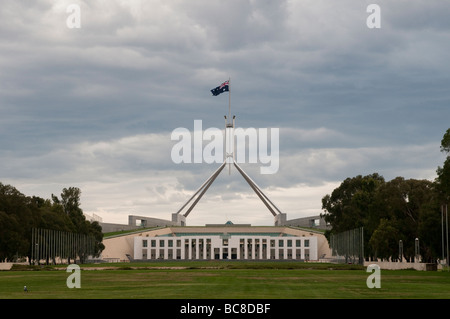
(270, 248)
(228, 248)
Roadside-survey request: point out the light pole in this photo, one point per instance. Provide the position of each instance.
(445, 252)
(442, 223)
(417, 250)
(446, 230)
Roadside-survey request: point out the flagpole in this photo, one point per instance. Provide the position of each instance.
(229, 123)
(229, 99)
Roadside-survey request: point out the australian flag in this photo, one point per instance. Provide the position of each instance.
(224, 87)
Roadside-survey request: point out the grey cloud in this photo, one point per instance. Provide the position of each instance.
(95, 106)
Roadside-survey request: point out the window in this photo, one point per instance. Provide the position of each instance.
(281, 243)
(306, 242)
(314, 222)
(306, 254)
(144, 243)
(298, 243)
(161, 243)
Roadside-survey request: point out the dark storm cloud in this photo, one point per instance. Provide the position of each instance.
(95, 106)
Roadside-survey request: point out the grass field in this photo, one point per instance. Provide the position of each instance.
(222, 280)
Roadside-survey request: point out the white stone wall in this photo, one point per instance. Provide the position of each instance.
(226, 247)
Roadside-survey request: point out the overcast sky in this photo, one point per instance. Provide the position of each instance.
(94, 107)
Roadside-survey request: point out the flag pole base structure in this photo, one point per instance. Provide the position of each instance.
(180, 218)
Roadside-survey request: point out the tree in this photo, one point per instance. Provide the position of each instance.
(9, 236)
(352, 205)
(70, 204)
(406, 203)
(348, 204)
(399, 209)
(443, 175)
(389, 211)
(385, 239)
(95, 230)
(19, 214)
(70, 199)
(443, 179)
(430, 232)
(403, 202)
(445, 142)
(15, 223)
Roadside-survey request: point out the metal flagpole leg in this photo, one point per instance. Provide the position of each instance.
(208, 181)
(257, 190)
(211, 180)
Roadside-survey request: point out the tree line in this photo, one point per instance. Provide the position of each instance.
(390, 211)
(20, 214)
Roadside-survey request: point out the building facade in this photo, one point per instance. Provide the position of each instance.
(218, 242)
(236, 246)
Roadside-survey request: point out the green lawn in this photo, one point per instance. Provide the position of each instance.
(223, 280)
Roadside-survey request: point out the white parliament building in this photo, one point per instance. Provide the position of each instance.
(217, 242)
(157, 239)
(225, 246)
